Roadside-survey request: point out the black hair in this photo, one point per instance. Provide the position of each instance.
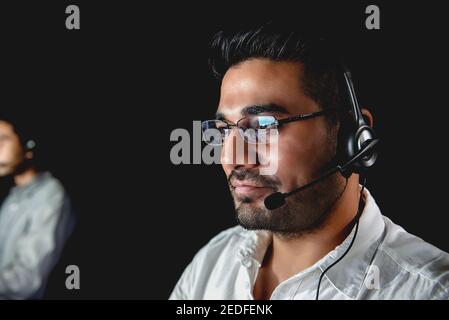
(278, 42)
(21, 125)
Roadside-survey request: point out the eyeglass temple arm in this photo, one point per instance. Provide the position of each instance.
(305, 116)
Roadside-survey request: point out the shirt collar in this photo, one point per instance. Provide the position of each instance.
(29, 188)
(349, 273)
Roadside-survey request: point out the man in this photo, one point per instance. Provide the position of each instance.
(282, 253)
(35, 216)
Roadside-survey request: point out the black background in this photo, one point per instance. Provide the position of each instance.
(106, 98)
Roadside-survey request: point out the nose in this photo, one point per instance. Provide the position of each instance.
(236, 152)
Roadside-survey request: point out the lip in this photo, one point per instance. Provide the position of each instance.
(236, 184)
(249, 189)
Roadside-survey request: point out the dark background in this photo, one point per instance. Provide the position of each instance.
(106, 98)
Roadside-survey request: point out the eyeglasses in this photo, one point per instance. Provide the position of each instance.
(254, 129)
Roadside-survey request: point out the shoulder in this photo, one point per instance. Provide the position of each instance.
(51, 183)
(417, 266)
(49, 187)
(218, 254)
(48, 199)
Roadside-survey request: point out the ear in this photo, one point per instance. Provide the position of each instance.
(368, 117)
(29, 155)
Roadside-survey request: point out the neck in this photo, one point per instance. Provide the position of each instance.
(25, 177)
(290, 256)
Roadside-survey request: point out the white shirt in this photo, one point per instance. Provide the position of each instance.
(385, 262)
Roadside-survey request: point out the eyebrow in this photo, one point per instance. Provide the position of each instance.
(256, 109)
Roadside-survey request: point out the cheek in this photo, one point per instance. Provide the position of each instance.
(295, 152)
(5, 153)
(298, 159)
(9, 154)
(291, 162)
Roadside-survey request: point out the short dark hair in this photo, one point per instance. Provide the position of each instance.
(21, 124)
(278, 42)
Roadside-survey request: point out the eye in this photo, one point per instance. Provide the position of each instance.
(266, 122)
(223, 130)
(214, 131)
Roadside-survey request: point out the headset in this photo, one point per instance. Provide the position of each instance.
(356, 144)
(356, 153)
(29, 145)
(355, 134)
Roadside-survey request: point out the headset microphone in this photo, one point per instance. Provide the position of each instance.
(277, 199)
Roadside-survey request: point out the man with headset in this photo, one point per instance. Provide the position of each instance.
(309, 231)
(35, 216)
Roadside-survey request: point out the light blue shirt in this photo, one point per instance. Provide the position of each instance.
(35, 221)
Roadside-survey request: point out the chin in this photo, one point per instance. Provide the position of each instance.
(4, 172)
(253, 207)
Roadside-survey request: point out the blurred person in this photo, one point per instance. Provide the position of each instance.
(35, 217)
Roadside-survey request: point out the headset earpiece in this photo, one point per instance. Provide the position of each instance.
(354, 133)
(29, 145)
(355, 143)
(29, 149)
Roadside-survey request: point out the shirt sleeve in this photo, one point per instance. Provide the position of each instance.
(194, 279)
(38, 247)
(187, 286)
(183, 286)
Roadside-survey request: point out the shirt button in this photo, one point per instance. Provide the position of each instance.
(247, 263)
(245, 253)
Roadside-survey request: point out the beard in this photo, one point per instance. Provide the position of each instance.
(303, 212)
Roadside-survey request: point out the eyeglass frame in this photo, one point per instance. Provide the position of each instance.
(281, 122)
